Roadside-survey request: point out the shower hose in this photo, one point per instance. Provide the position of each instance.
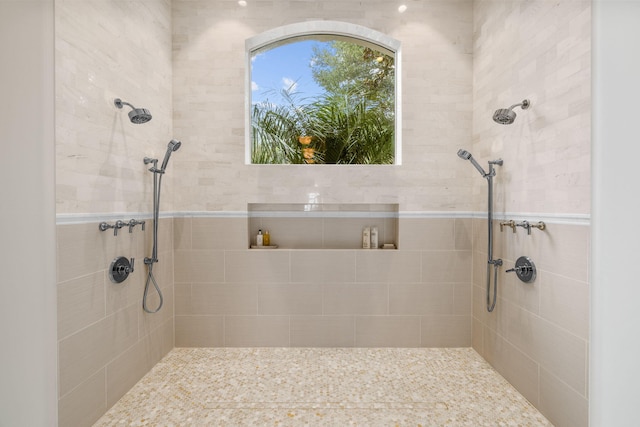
(157, 182)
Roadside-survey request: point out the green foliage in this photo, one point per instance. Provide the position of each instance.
(347, 68)
(353, 123)
(275, 130)
(348, 129)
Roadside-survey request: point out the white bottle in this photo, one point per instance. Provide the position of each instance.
(259, 238)
(374, 237)
(366, 238)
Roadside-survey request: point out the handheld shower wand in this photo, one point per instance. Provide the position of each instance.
(173, 145)
(496, 263)
(465, 155)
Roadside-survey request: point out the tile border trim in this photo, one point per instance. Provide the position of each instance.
(567, 219)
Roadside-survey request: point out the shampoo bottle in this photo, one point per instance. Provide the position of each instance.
(266, 238)
(366, 238)
(259, 238)
(374, 237)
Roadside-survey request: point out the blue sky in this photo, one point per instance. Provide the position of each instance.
(281, 67)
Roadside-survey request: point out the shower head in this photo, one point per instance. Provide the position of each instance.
(465, 155)
(173, 145)
(136, 115)
(506, 116)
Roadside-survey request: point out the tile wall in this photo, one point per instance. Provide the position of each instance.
(104, 50)
(540, 50)
(106, 342)
(461, 61)
(209, 107)
(228, 295)
(538, 335)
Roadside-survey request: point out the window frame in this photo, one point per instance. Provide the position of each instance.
(336, 30)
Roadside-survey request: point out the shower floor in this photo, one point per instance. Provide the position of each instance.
(322, 386)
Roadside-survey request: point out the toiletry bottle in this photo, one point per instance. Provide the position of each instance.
(259, 238)
(374, 237)
(366, 238)
(266, 238)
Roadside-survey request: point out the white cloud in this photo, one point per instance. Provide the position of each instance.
(254, 86)
(289, 84)
(256, 56)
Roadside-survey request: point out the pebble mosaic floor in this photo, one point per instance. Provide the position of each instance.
(322, 387)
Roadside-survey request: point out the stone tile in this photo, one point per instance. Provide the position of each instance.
(330, 386)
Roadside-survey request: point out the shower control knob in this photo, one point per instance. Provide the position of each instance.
(120, 269)
(525, 269)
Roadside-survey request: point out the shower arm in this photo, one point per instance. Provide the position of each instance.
(119, 103)
(524, 105)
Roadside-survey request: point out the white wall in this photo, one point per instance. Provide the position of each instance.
(105, 50)
(27, 261)
(615, 327)
(209, 111)
(539, 50)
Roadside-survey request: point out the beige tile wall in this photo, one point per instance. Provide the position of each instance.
(234, 296)
(106, 50)
(461, 61)
(537, 337)
(209, 107)
(105, 340)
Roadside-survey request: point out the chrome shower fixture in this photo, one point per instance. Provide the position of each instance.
(136, 115)
(173, 145)
(506, 116)
(495, 263)
(465, 155)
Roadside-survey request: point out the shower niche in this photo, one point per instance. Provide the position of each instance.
(322, 225)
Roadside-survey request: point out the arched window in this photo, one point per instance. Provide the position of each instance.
(323, 92)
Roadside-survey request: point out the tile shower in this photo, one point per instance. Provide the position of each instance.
(428, 293)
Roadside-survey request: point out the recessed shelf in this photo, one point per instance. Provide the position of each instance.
(322, 225)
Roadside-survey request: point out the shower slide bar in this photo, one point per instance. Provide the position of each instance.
(104, 226)
(540, 225)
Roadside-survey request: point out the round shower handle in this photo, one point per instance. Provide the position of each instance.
(525, 269)
(120, 269)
